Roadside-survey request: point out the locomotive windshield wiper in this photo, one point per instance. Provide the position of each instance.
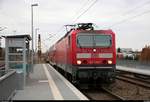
(78, 43)
(94, 41)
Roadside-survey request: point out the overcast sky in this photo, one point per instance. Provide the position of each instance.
(129, 19)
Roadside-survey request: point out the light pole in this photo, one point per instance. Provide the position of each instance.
(36, 32)
(1, 29)
(32, 31)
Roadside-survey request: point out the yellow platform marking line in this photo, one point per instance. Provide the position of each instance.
(56, 93)
(74, 89)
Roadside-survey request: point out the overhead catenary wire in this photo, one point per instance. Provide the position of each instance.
(82, 7)
(137, 7)
(52, 39)
(115, 24)
(124, 14)
(80, 10)
(109, 26)
(122, 21)
(44, 45)
(80, 14)
(129, 18)
(63, 26)
(85, 11)
(57, 33)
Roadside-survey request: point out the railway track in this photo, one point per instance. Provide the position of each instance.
(102, 94)
(134, 80)
(119, 92)
(113, 94)
(136, 75)
(126, 87)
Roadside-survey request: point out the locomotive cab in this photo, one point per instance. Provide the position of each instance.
(86, 55)
(94, 55)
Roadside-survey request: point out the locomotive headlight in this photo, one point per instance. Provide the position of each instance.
(109, 62)
(78, 62)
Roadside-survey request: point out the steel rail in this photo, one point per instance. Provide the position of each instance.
(113, 94)
(105, 92)
(138, 79)
(132, 81)
(133, 70)
(129, 72)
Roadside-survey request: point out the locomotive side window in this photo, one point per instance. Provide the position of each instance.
(69, 40)
(93, 40)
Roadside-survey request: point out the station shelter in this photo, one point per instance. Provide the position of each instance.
(17, 56)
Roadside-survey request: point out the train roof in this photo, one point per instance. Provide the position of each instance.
(109, 31)
(19, 36)
(74, 31)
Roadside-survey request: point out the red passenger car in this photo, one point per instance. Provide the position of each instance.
(86, 55)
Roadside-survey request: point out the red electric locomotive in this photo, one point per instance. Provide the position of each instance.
(86, 55)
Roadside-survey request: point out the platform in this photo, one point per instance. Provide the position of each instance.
(138, 70)
(47, 84)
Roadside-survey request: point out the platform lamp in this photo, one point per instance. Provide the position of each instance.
(32, 32)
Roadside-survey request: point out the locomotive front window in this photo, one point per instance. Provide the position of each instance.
(85, 40)
(93, 40)
(102, 40)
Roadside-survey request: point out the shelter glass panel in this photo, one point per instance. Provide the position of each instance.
(15, 57)
(15, 50)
